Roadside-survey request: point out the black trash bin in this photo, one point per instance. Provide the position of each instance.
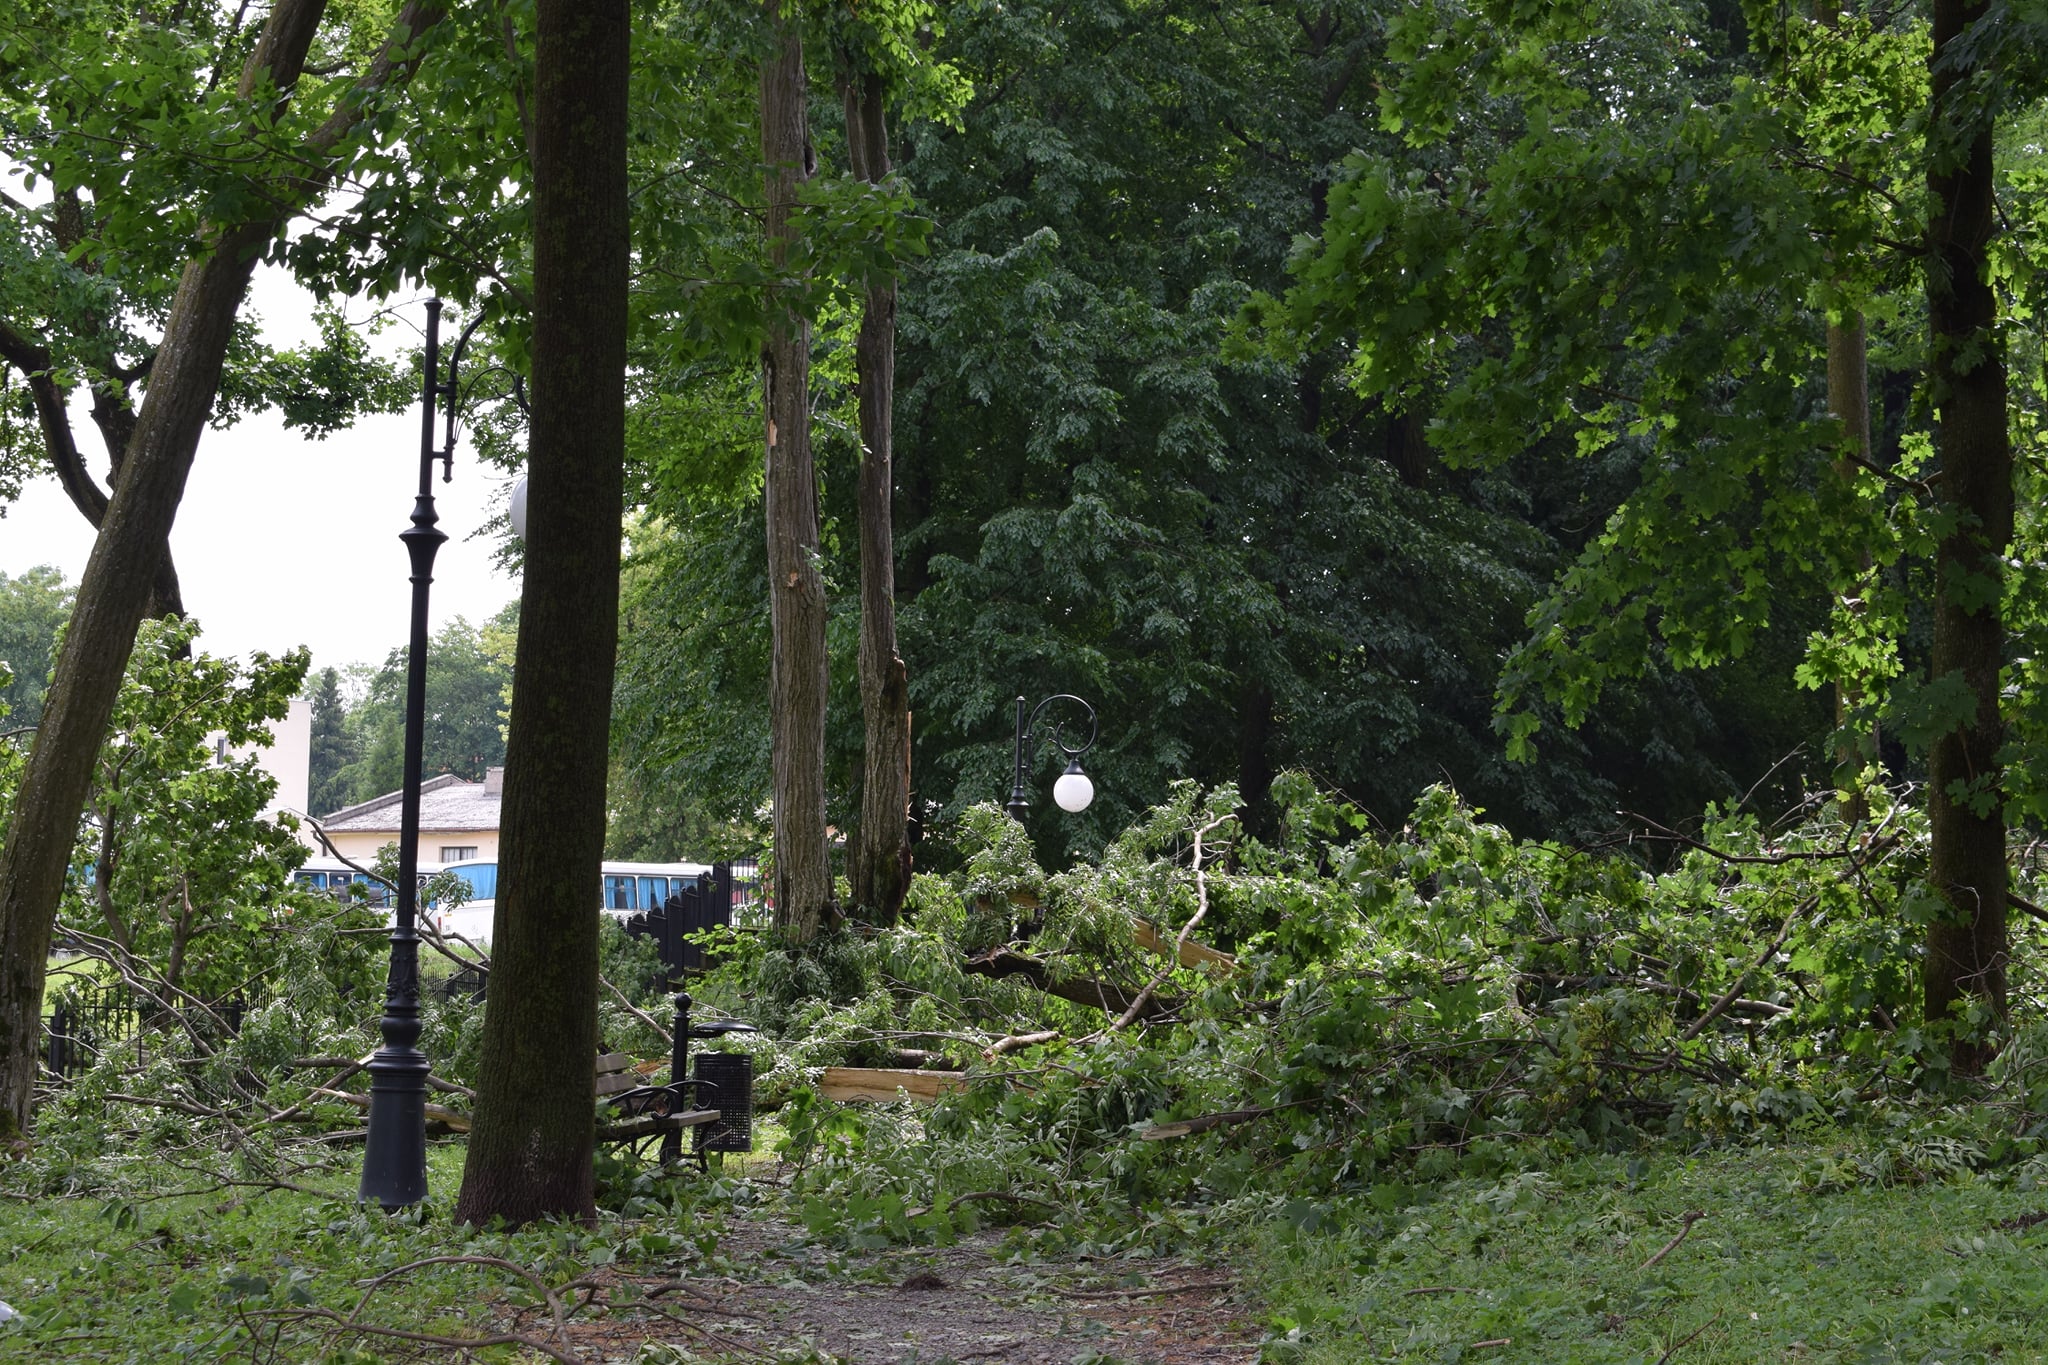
(725, 1082)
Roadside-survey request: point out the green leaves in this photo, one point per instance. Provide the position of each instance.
(180, 867)
(1615, 245)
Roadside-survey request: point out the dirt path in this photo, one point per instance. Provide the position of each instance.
(778, 1296)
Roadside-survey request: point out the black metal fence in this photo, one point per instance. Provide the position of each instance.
(729, 894)
(85, 1021)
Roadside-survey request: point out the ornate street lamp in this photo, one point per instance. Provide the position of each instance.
(395, 1157)
(1073, 791)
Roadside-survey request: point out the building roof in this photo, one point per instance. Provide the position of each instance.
(447, 803)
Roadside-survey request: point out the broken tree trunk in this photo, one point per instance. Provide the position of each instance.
(1107, 996)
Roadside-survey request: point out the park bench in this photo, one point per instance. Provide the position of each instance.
(716, 1102)
(638, 1110)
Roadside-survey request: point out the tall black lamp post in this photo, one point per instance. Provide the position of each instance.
(1073, 791)
(395, 1159)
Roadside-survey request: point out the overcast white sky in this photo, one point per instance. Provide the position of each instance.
(285, 541)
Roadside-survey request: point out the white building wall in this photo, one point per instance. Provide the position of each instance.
(288, 758)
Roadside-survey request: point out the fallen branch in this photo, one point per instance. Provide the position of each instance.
(1687, 1339)
(980, 1196)
(642, 1015)
(183, 1107)
(437, 1113)
(1016, 1041)
(1203, 1286)
(348, 1069)
(1857, 853)
(553, 1300)
(1734, 991)
(1691, 1217)
(1087, 991)
(449, 1087)
(348, 1324)
(1765, 1008)
(1180, 943)
(846, 1083)
(1179, 1128)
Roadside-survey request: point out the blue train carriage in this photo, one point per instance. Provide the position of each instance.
(624, 890)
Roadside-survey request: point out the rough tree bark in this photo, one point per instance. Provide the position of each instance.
(1967, 949)
(134, 537)
(115, 417)
(530, 1142)
(879, 861)
(796, 590)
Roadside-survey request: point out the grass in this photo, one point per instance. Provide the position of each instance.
(1859, 1248)
(1800, 1254)
(115, 1265)
(71, 971)
(121, 1279)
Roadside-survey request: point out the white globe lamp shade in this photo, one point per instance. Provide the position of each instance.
(1073, 791)
(518, 508)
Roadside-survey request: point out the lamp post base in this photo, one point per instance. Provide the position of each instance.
(395, 1157)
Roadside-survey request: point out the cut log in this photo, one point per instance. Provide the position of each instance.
(1198, 956)
(1179, 1128)
(844, 1083)
(1106, 996)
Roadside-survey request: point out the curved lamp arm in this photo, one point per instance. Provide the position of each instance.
(1027, 748)
(452, 393)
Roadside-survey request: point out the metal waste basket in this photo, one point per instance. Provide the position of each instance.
(725, 1082)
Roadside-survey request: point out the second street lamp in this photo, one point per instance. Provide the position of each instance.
(395, 1153)
(1073, 791)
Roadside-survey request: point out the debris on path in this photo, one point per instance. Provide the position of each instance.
(776, 1295)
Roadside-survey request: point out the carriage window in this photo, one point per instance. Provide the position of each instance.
(620, 893)
(654, 892)
(482, 879)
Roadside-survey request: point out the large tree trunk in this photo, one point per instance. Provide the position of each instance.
(530, 1143)
(133, 546)
(879, 866)
(1966, 950)
(796, 590)
(116, 420)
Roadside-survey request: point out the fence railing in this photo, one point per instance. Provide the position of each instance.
(730, 894)
(89, 1019)
(86, 1021)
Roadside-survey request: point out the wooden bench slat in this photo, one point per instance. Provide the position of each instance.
(616, 1082)
(613, 1061)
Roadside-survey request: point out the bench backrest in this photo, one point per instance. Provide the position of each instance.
(615, 1074)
